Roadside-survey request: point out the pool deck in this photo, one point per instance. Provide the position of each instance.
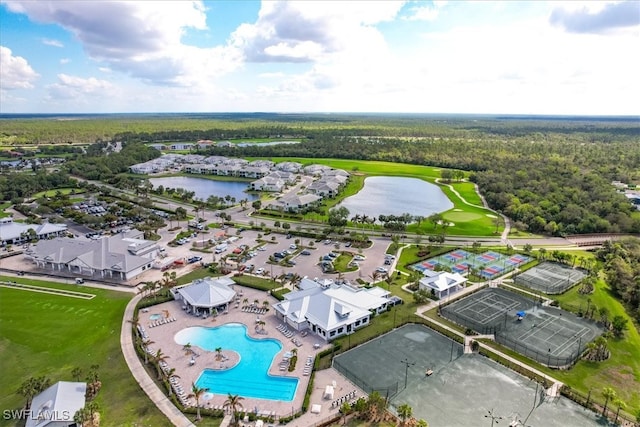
(163, 338)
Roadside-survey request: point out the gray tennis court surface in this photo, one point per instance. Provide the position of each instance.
(550, 277)
(549, 335)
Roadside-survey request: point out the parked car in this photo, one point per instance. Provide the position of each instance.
(293, 247)
(382, 270)
(194, 259)
(305, 252)
(260, 271)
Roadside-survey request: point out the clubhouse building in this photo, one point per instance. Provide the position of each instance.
(120, 257)
(329, 310)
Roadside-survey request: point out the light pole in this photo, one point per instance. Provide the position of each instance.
(406, 371)
(494, 417)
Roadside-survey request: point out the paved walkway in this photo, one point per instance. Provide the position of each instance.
(156, 395)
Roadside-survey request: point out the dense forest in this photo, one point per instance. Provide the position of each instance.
(98, 164)
(622, 269)
(549, 175)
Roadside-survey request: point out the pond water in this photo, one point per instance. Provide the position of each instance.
(206, 187)
(392, 195)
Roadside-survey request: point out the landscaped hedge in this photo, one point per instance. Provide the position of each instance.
(146, 302)
(254, 282)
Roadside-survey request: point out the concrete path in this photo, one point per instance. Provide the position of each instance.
(156, 395)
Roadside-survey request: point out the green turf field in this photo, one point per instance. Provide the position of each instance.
(50, 335)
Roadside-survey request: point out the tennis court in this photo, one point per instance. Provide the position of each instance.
(550, 278)
(461, 388)
(488, 265)
(549, 335)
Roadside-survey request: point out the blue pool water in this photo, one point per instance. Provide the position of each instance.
(154, 317)
(249, 378)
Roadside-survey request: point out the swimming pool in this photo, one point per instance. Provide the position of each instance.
(250, 377)
(155, 317)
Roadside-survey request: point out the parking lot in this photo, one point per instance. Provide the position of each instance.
(305, 265)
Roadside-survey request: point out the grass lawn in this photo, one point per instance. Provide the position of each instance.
(51, 193)
(468, 192)
(3, 206)
(50, 335)
(622, 370)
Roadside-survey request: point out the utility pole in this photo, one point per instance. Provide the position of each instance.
(406, 371)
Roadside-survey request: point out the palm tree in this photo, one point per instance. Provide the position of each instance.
(422, 423)
(219, 354)
(82, 416)
(92, 407)
(187, 349)
(620, 404)
(404, 412)
(265, 305)
(245, 301)
(171, 373)
(157, 360)
(196, 393)
(28, 390)
(146, 345)
(76, 373)
(135, 322)
(543, 253)
(233, 403)
(609, 394)
(345, 409)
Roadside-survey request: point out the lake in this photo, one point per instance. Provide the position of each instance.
(206, 187)
(392, 195)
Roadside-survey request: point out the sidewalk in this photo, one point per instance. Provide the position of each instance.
(156, 395)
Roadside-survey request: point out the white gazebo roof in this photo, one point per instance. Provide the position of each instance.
(208, 292)
(443, 280)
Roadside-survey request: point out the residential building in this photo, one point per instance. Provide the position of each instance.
(295, 202)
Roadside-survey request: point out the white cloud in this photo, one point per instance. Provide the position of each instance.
(598, 18)
(78, 88)
(308, 31)
(15, 72)
(52, 42)
(142, 39)
(428, 12)
(64, 61)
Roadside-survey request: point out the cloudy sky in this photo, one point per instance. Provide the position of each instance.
(503, 57)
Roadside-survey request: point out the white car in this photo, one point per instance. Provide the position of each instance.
(293, 247)
(382, 270)
(260, 271)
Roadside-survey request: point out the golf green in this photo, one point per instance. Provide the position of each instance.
(461, 216)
